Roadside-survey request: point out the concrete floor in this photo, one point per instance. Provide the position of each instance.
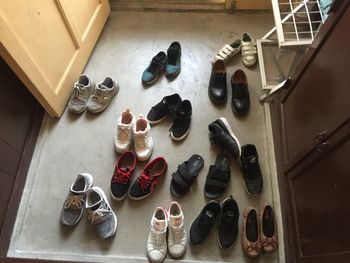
(84, 143)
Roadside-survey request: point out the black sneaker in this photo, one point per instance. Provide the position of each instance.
(201, 226)
(163, 108)
(251, 169)
(173, 65)
(152, 72)
(182, 121)
(222, 134)
(228, 223)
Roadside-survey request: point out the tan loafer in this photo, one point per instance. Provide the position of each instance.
(250, 239)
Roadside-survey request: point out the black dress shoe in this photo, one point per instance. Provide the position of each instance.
(222, 135)
(240, 103)
(217, 83)
(251, 169)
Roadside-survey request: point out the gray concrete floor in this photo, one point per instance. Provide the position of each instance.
(84, 143)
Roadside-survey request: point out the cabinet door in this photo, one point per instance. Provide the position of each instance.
(319, 197)
(318, 102)
(47, 44)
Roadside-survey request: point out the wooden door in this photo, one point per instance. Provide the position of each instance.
(48, 42)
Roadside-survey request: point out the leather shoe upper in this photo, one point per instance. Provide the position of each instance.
(217, 83)
(240, 103)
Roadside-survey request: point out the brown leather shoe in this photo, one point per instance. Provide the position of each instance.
(250, 238)
(268, 229)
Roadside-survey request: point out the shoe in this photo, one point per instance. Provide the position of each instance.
(149, 178)
(100, 214)
(250, 239)
(103, 94)
(159, 111)
(251, 169)
(201, 226)
(249, 51)
(240, 103)
(268, 232)
(177, 236)
(228, 223)
(155, 68)
(123, 139)
(156, 242)
(173, 64)
(228, 51)
(143, 139)
(81, 92)
(182, 121)
(73, 207)
(222, 134)
(217, 83)
(121, 178)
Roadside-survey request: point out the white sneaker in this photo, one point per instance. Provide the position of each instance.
(102, 95)
(177, 236)
(249, 51)
(123, 139)
(143, 139)
(156, 242)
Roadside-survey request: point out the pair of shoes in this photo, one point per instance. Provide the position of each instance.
(139, 131)
(185, 175)
(246, 45)
(95, 98)
(163, 222)
(183, 114)
(222, 135)
(144, 184)
(226, 215)
(171, 62)
(240, 102)
(259, 236)
(251, 169)
(83, 195)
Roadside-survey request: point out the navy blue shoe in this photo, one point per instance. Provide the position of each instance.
(173, 65)
(155, 68)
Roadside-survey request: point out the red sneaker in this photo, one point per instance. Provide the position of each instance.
(149, 178)
(121, 178)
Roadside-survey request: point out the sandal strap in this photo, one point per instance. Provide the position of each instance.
(216, 183)
(180, 181)
(219, 174)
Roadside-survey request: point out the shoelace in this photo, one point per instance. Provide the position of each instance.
(172, 56)
(73, 201)
(144, 180)
(98, 94)
(121, 177)
(78, 93)
(158, 239)
(142, 141)
(123, 133)
(100, 212)
(177, 234)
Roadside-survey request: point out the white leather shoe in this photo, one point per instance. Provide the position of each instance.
(143, 139)
(249, 51)
(177, 236)
(156, 242)
(123, 139)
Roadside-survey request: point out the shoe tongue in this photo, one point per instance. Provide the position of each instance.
(175, 220)
(159, 225)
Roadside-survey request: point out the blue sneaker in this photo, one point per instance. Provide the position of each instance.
(173, 65)
(155, 68)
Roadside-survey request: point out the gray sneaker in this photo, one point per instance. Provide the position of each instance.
(73, 207)
(81, 92)
(103, 94)
(100, 214)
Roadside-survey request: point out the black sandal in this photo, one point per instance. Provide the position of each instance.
(218, 176)
(186, 173)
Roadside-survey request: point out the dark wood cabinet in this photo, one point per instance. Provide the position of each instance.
(311, 123)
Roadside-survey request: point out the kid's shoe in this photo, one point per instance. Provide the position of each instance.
(81, 92)
(228, 51)
(173, 64)
(100, 214)
(123, 139)
(121, 178)
(249, 51)
(102, 96)
(182, 121)
(156, 242)
(149, 178)
(177, 236)
(73, 207)
(155, 68)
(159, 111)
(143, 139)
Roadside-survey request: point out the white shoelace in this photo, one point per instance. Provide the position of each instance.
(143, 141)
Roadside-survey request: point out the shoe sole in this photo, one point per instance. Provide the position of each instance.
(156, 121)
(180, 138)
(138, 198)
(105, 107)
(228, 127)
(144, 158)
(77, 112)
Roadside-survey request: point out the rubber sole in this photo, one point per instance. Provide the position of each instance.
(118, 198)
(228, 127)
(180, 138)
(156, 121)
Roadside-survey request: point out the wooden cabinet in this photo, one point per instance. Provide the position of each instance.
(311, 122)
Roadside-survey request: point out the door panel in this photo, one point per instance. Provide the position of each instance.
(47, 44)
